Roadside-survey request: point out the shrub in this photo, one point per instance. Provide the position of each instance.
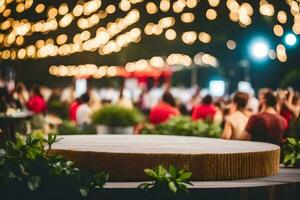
(58, 108)
(70, 128)
(166, 182)
(185, 126)
(116, 116)
(28, 171)
(291, 152)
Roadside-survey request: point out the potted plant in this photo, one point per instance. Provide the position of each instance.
(113, 119)
(184, 126)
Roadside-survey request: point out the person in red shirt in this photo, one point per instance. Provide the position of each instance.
(205, 111)
(164, 109)
(73, 109)
(267, 126)
(36, 102)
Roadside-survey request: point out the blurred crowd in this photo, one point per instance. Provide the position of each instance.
(269, 116)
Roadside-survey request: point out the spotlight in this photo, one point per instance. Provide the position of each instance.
(290, 39)
(259, 49)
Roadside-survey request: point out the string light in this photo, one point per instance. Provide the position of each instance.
(172, 62)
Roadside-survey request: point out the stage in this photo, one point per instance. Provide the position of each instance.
(125, 157)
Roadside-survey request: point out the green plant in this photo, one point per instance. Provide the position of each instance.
(58, 108)
(112, 115)
(185, 126)
(291, 152)
(70, 128)
(163, 179)
(28, 170)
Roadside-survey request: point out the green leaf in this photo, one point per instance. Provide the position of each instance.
(292, 141)
(161, 171)
(34, 183)
(84, 191)
(151, 173)
(172, 186)
(287, 158)
(186, 175)
(173, 171)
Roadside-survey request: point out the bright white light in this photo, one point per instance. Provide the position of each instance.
(290, 39)
(260, 49)
(81, 87)
(217, 88)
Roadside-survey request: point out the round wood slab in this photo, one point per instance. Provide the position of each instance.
(125, 157)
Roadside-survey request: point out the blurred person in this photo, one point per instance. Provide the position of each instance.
(206, 110)
(123, 101)
(21, 95)
(68, 94)
(165, 109)
(267, 126)
(253, 102)
(95, 100)
(290, 110)
(261, 93)
(144, 100)
(84, 111)
(236, 122)
(36, 102)
(73, 109)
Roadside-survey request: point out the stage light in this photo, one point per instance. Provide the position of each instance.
(290, 39)
(259, 49)
(217, 88)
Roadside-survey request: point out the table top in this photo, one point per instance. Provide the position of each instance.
(158, 144)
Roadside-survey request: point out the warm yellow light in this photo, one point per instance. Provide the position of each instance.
(20, 7)
(189, 37)
(52, 12)
(191, 3)
(170, 34)
(61, 39)
(20, 40)
(66, 20)
(151, 8)
(124, 5)
(40, 8)
(164, 5)
(7, 12)
(178, 6)
(214, 3)
(110, 9)
(78, 10)
(204, 37)
(231, 44)
(282, 17)
(187, 17)
(266, 9)
(211, 14)
(63, 9)
(278, 30)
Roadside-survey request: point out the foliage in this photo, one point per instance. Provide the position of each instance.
(58, 108)
(167, 180)
(291, 79)
(291, 152)
(28, 170)
(116, 116)
(183, 125)
(70, 128)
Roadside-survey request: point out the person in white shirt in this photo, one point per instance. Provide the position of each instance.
(83, 113)
(236, 122)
